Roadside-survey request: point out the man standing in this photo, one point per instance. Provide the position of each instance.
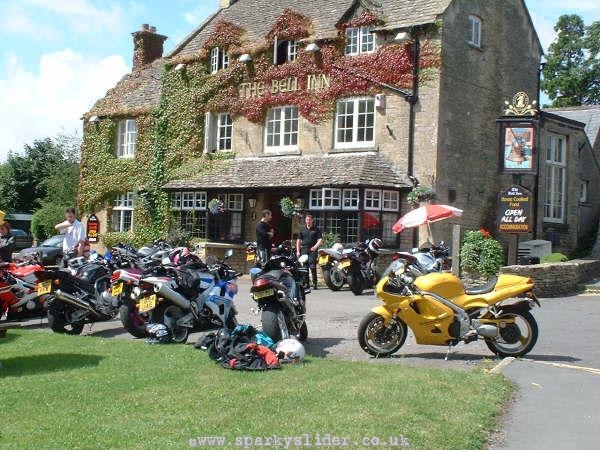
(308, 243)
(74, 242)
(264, 235)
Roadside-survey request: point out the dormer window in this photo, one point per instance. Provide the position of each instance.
(360, 40)
(218, 60)
(474, 31)
(284, 51)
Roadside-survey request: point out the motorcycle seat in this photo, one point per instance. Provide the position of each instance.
(483, 289)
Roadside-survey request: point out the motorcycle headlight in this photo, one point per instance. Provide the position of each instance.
(400, 268)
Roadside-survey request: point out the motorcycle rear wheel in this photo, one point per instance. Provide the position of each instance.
(504, 348)
(171, 314)
(133, 321)
(334, 278)
(378, 340)
(57, 319)
(356, 283)
(273, 322)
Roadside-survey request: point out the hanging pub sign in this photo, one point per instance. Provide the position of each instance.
(515, 211)
(518, 135)
(93, 228)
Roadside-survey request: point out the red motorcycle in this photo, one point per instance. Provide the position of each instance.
(19, 296)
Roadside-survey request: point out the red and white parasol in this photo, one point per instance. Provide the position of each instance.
(425, 215)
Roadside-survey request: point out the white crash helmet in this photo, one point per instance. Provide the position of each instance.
(290, 351)
(338, 247)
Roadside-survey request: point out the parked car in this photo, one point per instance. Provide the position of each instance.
(22, 239)
(50, 252)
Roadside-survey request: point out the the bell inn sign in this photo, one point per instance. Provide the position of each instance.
(314, 83)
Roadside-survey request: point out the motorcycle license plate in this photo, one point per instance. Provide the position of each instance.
(45, 287)
(323, 260)
(262, 294)
(345, 264)
(147, 303)
(117, 289)
(250, 257)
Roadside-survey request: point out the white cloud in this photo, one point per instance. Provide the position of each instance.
(15, 20)
(198, 15)
(42, 104)
(544, 28)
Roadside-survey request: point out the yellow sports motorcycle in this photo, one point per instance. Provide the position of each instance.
(440, 311)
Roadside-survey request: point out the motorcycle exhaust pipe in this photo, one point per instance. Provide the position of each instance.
(72, 300)
(489, 331)
(170, 294)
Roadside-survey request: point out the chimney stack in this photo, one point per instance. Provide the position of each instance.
(147, 46)
(226, 3)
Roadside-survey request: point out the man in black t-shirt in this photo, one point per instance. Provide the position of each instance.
(264, 235)
(308, 243)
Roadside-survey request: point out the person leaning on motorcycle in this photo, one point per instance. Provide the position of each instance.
(308, 243)
(75, 238)
(7, 242)
(264, 236)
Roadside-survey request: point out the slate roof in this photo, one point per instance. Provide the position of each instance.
(588, 115)
(361, 169)
(137, 92)
(257, 17)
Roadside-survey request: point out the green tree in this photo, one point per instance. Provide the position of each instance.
(571, 76)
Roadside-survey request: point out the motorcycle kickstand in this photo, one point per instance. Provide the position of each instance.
(448, 352)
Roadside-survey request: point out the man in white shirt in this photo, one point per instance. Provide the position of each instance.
(75, 237)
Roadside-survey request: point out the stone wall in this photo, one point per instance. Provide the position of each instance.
(559, 279)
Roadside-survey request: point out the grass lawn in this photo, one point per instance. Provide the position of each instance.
(84, 392)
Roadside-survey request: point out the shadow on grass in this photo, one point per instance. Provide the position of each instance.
(38, 364)
(112, 332)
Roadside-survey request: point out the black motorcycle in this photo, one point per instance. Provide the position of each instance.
(78, 298)
(359, 265)
(280, 289)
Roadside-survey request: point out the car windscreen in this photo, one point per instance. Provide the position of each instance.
(54, 241)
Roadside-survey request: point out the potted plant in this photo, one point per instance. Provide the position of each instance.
(288, 207)
(420, 194)
(216, 206)
(481, 255)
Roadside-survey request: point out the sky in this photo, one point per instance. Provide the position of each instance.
(57, 57)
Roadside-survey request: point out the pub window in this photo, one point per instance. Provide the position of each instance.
(227, 226)
(284, 51)
(350, 199)
(346, 225)
(355, 123)
(218, 60)
(373, 199)
(556, 164)
(359, 40)
(316, 199)
(191, 201)
(218, 132)
(474, 31)
(281, 130)
(391, 200)
(122, 215)
(387, 222)
(331, 198)
(126, 137)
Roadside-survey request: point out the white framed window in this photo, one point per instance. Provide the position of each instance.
(188, 201)
(583, 195)
(355, 123)
(316, 199)
(359, 40)
(228, 225)
(224, 131)
(235, 202)
(391, 201)
(218, 132)
(126, 138)
(351, 199)
(122, 216)
(284, 51)
(281, 129)
(556, 164)
(373, 199)
(218, 60)
(332, 198)
(474, 38)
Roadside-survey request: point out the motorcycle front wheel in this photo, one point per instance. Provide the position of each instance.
(380, 340)
(58, 321)
(515, 339)
(334, 278)
(356, 282)
(273, 322)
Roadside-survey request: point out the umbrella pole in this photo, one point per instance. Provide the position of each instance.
(430, 237)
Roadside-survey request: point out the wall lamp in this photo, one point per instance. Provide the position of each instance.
(179, 67)
(402, 38)
(245, 58)
(252, 202)
(312, 48)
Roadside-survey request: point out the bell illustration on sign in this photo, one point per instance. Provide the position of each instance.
(518, 145)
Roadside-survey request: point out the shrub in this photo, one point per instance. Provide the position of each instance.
(420, 194)
(44, 219)
(329, 239)
(113, 238)
(481, 254)
(554, 258)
